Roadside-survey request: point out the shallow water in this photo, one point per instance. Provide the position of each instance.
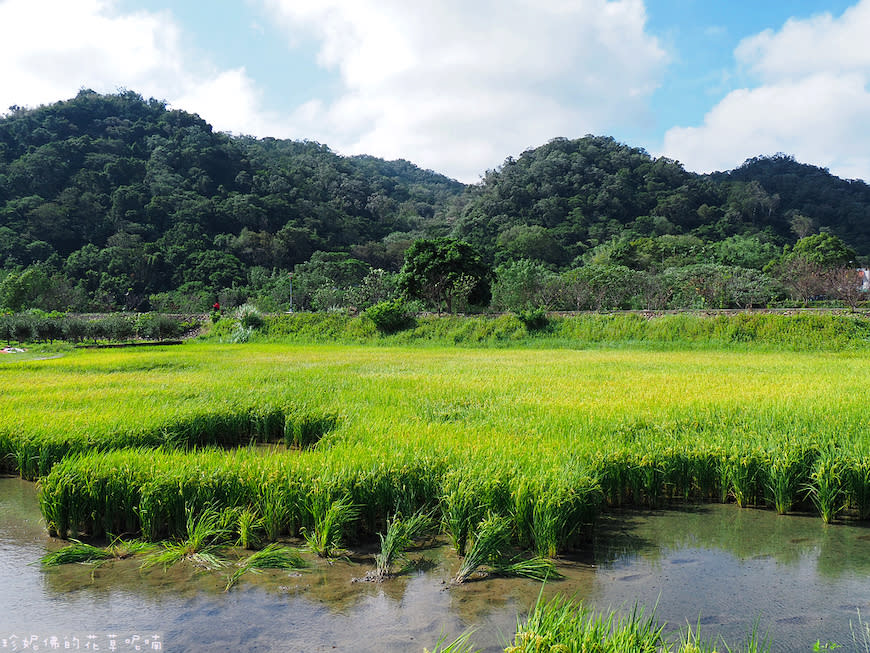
(719, 566)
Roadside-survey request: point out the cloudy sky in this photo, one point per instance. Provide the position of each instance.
(458, 85)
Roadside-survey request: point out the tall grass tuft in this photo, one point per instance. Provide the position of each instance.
(743, 476)
(459, 645)
(400, 535)
(488, 546)
(691, 642)
(330, 519)
(248, 525)
(201, 546)
(461, 509)
(548, 512)
(275, 510)
(787, 473)
(274, 556)
(857, 476)
(549, 521)
(488, 551)
(560, 624)
(826, 487)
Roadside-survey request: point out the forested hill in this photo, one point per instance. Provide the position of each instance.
(818, 197)
(593, 196)
(122, 193)
(115, 201)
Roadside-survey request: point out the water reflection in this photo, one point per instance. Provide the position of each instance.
(841, 549)
(715, 565)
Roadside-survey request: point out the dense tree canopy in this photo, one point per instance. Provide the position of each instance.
(114, 201)
(128, 198)
(443, 273)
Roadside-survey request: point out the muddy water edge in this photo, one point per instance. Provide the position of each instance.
(716, 565)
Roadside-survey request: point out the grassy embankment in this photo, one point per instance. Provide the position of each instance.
(793, 330)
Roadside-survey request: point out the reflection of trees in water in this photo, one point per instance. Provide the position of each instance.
(742, 532)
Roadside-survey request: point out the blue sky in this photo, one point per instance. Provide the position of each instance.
(458, 86)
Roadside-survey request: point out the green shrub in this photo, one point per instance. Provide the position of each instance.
(167, 327)
(95, 330)
(74, 329)
(390, 316)
(48, 327)
(118, 327)
(249, 317)
(146, 326)
(535, 319)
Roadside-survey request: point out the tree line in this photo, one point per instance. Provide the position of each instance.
(114, 202)
(35, 325)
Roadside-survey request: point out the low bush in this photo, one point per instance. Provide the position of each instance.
(390, 316)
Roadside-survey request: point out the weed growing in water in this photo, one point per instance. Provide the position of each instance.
(826, 485)
(787, 473)
(78, 551)
(275, 511)
(563, 625)
(458, 645)
(330, 520)
(200, 547)
(489, 546)
(461, 509)
(274, 556)
(857, 477)
(248, 525)
(400, 535)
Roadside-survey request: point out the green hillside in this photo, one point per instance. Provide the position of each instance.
(114, 201)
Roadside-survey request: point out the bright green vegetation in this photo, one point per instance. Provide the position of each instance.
(330, 519)
(541, 438)
(515, 451)
(400, 535)
(199, 545)
(459, 645)
(274, 556)
(486, 554)
(37, 326)
(564, 626)
(799, 332)
(561, 625)
(206, 547)
(118, 549)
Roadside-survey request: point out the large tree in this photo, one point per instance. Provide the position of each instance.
(444, 273)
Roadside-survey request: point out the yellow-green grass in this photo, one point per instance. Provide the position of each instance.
(539, 436)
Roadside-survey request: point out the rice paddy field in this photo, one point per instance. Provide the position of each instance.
(542, 441)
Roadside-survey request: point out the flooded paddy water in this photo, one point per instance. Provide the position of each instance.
(716, 565)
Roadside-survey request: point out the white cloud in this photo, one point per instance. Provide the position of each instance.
(458, 86)
(821, 44)
(50, 49)
(812, 100)
(450, 85)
